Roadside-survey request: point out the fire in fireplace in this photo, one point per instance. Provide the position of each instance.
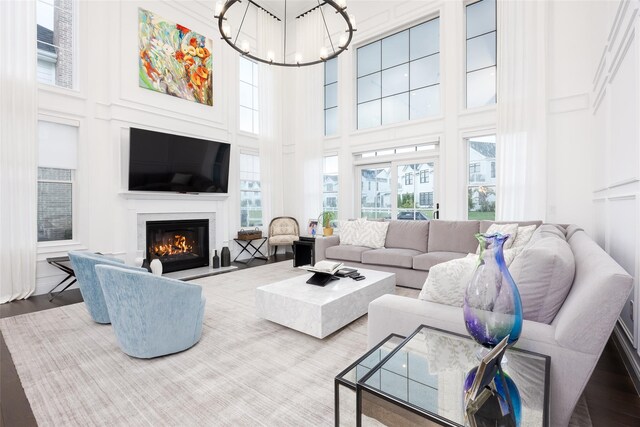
(180, 244)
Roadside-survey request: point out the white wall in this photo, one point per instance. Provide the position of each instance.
(108, 102)
(615, 126)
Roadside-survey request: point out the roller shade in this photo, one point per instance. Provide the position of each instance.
(58, 145)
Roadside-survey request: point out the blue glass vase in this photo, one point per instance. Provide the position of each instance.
(492, 306)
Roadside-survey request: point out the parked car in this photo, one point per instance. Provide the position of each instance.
(413, 216)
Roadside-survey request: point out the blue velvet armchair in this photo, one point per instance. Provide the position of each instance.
(84, 267)
(151, 315)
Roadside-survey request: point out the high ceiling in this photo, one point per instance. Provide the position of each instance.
(294, 7)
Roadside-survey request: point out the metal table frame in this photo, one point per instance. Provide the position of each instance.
(245, 244)
(57, 262)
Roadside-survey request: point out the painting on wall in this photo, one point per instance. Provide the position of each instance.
(174, 60)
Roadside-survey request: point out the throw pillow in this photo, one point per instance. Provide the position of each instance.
(447, 281)
(510, 229)
(544, 272)
(348, 232)
(372, 234)
(523, 236)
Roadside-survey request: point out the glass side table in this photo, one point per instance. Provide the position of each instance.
(345, 411)
(420, 382)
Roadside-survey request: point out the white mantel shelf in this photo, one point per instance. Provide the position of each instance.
(161, 195)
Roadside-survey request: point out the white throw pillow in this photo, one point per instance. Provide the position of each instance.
(348, 232)
(510, 229)
(372, 234)
(447, 281)
(523, 236)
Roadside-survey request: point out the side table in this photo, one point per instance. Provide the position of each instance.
(247, 246)
(304, 251)
(63, 264)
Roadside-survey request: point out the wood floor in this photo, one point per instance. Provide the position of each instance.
(611, 396)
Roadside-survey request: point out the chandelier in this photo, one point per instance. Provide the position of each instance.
(325, 53)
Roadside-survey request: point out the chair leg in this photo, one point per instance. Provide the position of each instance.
(276, 251)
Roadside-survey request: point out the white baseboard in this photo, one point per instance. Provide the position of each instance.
(628, 354)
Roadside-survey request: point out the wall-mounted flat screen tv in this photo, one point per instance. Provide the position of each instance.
(165, 162)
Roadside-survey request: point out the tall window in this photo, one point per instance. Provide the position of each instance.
(249, 109)
(250, 191)
(331, 97)
(399, 76)
(330, 184)
(481, 53)
(55, 40)
(481, 187)
(56, 169)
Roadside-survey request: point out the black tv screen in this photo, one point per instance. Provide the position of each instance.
(165, 162)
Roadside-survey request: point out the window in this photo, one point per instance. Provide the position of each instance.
(481, 186)
(57, 154)
(481, 53)
(331, 97)
(398, 77)
(250, 191)
(249, 111)
(426, 200)
(424, 177)
(408, 178)
(55, 42)
(330, 184)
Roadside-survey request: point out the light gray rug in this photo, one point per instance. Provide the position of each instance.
(244, 370)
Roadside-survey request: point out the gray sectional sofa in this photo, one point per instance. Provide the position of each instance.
(411, 248)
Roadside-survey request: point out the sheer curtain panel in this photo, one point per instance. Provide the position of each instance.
(521, 110)
(18, 149)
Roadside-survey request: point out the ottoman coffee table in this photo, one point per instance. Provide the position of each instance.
(320, 311)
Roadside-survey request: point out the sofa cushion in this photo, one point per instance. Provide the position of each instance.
(395, 257)
(543, 272)
(547, 230)
(346, 252)
(349, 231)
(524, 235)
(408, 235)
(571, 230)
(453, 236)
(428, 260)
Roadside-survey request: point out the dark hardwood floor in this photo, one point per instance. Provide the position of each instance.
(611, 396)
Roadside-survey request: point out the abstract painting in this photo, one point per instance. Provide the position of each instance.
(174, 60)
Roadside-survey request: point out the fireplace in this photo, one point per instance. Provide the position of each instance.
(179, 244)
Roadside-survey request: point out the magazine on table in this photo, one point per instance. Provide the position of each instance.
(327, 267)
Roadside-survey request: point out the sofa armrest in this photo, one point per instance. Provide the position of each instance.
(322, 243)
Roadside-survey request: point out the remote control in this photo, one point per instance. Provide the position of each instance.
(359, 278)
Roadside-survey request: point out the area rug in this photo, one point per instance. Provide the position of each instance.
(244, 370)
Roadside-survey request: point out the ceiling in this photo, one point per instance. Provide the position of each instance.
(294, 7)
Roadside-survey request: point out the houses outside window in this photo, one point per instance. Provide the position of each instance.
(481, 64)
(57, 154)
(250, 191)
(55, 42)
(249, 116)
(408, 178)
(398, 77)
(481, 182)
(426, 199)
(330, 184)
(424, 177)
(331, 97)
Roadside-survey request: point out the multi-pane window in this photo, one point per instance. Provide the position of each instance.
(398, 77)
(426, 199)
(250, 191)
(249, 108)
(481, 188)
(481, 53)
(55, 42)
(408, 178)
(331, 97)
(330, 184)
(424, 177)
(57, 153)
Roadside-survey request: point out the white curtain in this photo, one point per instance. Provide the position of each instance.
(521, 110)
(18, 149)
(309, 113)
(269, 39)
